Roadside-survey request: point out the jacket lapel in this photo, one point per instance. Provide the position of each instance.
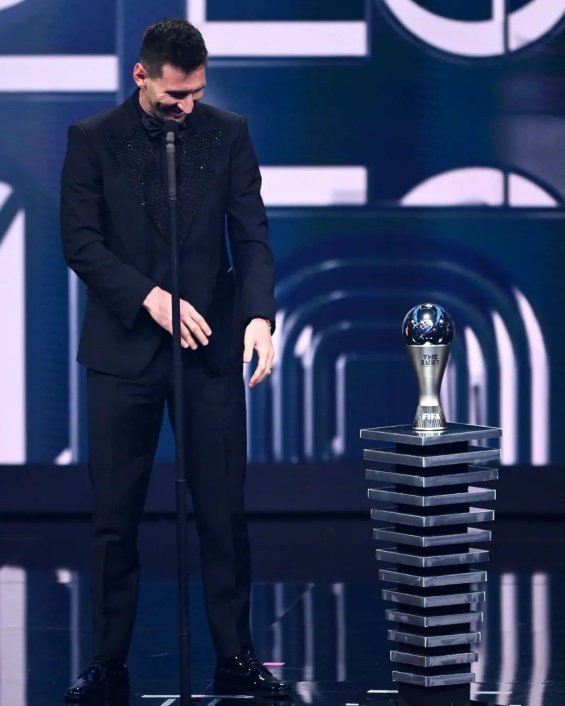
(197, 160)
(132, 149)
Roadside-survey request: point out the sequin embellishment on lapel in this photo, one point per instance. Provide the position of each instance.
(142, 173)
(198, 157)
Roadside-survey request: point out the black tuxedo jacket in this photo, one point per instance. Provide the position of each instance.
(115, 230)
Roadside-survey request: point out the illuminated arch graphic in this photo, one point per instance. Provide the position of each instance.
(12, 314)
(340, 314)
(478, 381)
(487, 186)
(479, 38)
(522, 599)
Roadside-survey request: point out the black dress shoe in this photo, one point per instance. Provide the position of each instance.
(103, 681)
(246, 674)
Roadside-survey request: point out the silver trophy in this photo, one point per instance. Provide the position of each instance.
(428, 331)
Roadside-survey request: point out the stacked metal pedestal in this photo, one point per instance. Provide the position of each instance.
(424, 487)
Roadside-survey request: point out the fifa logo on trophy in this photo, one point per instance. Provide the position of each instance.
(428, 331)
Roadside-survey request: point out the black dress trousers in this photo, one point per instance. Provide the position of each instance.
(124, 421)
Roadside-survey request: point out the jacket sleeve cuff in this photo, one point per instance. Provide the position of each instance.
(268, 319)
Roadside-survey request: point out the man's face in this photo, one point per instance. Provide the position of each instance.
(172, 95)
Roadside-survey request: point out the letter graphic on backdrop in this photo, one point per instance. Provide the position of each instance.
(479, 186)
(12, 314)
(314, 186)
(5, 4)
(278, 39)
(13, 632)
(63, 73)
(58, 74)
(301, 185)
(503, 32)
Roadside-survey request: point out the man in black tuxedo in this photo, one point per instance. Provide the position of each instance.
(115, 231)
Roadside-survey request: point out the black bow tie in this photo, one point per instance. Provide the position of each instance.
(157, 128)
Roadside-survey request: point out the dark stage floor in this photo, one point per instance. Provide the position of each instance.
(317, 613)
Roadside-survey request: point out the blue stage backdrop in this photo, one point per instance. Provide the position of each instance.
(411, 150)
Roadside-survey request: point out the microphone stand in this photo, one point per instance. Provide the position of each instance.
(180, 466)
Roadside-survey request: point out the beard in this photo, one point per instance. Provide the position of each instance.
(165, 112)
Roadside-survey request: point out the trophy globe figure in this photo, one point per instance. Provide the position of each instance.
(428, 331)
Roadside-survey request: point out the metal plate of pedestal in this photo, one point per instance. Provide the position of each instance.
(428, 499)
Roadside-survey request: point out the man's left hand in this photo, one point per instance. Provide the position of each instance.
(258, 337)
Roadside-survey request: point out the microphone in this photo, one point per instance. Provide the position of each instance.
(171, 130)
(170, 126)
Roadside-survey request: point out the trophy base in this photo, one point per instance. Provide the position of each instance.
(448, 695)
(429, 419)
(398, 702)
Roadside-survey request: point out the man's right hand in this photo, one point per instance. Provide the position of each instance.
(193, 326)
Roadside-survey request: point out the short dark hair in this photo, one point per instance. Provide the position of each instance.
(175, 42)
